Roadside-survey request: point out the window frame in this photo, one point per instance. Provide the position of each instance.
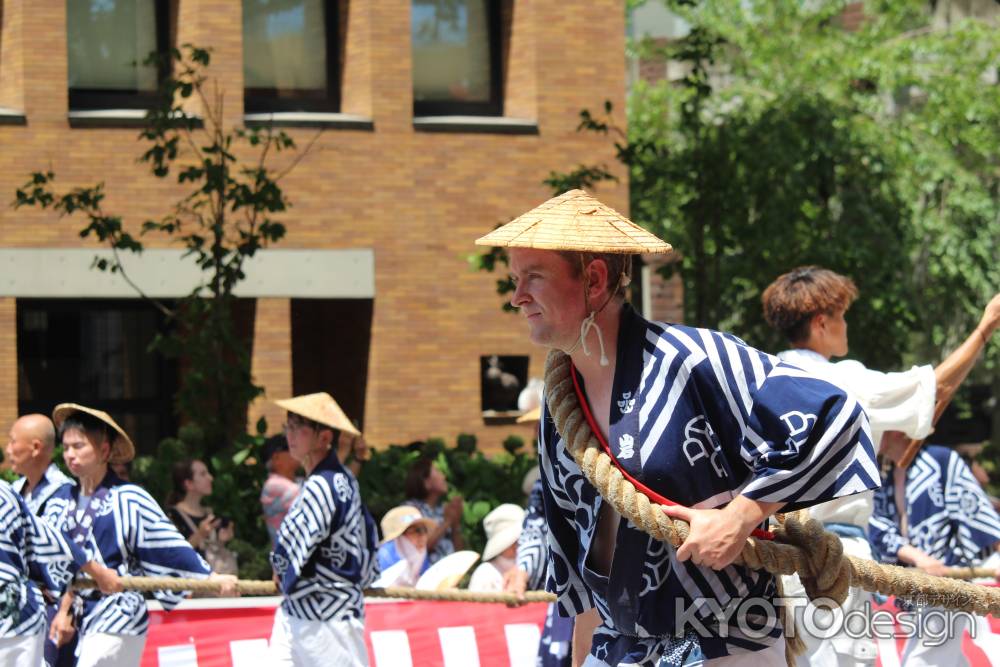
(278, 100)
(493, 107)
(91, 99)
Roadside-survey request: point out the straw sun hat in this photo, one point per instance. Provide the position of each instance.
(577, 222)
(397, 520)
(321, 408)
(122, 449)
(503, 527)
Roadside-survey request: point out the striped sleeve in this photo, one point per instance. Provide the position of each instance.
(154, 542)
(306, 525)
(531, 543)
(806, 441)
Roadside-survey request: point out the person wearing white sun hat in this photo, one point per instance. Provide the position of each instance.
(404, 538)
(503, 527)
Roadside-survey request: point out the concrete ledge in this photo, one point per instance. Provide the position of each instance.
(112, 118)
(12, 117)
(336, 121)
(164, 273)
(475, 124)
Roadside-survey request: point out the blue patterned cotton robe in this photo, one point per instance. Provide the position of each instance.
(131, 535)
(50, 483)
(32, 554)
(324, 554)
(699, 417)
(949, 516)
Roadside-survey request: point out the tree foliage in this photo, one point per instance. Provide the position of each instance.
(792, 139)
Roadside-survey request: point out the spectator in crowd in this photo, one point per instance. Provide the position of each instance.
(281, 487)
(425, 486)
(404, 538)
(120, 525)
(207, 533)
(503, 528)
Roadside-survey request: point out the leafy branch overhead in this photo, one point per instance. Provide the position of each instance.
(228, 215)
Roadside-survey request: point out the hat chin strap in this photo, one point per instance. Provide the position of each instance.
(585, 327)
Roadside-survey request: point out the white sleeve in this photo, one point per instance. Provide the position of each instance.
(901, 401)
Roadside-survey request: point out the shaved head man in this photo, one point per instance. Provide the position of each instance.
(30, 445)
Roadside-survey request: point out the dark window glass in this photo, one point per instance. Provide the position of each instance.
(456, 57)
(501, 379)
(331, 339)
(290, 55)
(96, 352)
(108, 43)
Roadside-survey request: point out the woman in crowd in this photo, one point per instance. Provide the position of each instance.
(425, 486)
(120, 526)
(197, 523)
(503, 528)
(281, 487)
(404, 539)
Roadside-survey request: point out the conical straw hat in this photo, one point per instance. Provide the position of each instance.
(122, 449)
(577, 222)
(321, 408)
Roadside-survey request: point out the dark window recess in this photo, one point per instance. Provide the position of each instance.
(330, 343)
(501, 379)
(95, 352)
(456, 57)
(291, 56)
(108, 43)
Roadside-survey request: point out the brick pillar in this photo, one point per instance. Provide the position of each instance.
(8, 363)
(271, 363)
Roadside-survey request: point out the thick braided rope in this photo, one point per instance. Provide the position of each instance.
(802, 546)
(251, 587)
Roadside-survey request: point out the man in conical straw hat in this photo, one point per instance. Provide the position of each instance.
(695, 417)
(119, 525)
(324, 551)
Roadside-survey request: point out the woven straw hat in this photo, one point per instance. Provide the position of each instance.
(321, 408)
(577, 222)
(399, 519)
(122, 449)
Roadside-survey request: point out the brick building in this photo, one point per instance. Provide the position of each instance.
(440, 121)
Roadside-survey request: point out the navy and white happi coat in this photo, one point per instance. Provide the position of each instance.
(324, 553)
(699, 417)
(949, 517)
(52, 480)
(32, 555)
(124, 529)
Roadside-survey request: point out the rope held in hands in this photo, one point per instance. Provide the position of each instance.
(799, 546)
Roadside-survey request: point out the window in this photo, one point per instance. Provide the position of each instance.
(108, 43)
(456, 57)
(501, 379)
(290, 56)
(96, 352)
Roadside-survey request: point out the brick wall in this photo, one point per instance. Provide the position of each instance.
(418, 198)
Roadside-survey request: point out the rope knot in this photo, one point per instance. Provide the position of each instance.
(829, 573)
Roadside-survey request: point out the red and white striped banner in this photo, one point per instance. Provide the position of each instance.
(235, 632)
